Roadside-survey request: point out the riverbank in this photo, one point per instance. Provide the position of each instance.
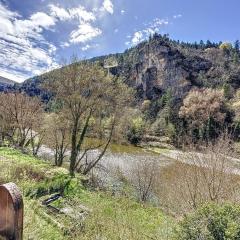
(84, 213)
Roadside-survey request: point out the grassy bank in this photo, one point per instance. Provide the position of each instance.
(84, 214)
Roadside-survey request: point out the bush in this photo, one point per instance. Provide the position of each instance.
(60, 183)
(136, 130)
(211, 222)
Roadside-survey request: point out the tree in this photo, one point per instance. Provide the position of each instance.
(209, 44)
(227, 91)
(236, 46)
(136, 129)
(210, 179)
(19, 114)
(202, 108)
(202, 45)
(143, 176)
(226, 47)
(87, 92)
(57, 127)
(37, 135)
(236, 58)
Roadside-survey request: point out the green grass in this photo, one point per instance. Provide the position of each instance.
(108, 217)
(158, 150)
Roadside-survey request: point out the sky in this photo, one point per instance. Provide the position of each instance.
(37, 35)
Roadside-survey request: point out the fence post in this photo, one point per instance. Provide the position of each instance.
(11, 212)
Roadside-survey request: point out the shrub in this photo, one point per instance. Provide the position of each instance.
(61, 183)
(211, 222)
(136, 130)
(226, 47)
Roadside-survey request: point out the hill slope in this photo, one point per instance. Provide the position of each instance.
(5, 81)
(159, 64)
(83, 213)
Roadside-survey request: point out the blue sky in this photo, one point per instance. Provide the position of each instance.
(35, 35)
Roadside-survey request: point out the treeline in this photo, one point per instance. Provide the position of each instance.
(197, 45)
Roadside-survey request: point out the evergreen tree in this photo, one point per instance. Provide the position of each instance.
(227, 91)
(208, 44)
(201, 44)
(236, 58)
(236, 46)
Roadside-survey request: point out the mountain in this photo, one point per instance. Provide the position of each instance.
(6, 84)
(5, 81)
(161, 64)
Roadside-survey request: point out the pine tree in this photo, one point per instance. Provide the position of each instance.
(202, 45)
(236, 46)
(236, 58)
(208, 44)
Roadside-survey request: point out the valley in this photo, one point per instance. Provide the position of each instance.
(136, 138)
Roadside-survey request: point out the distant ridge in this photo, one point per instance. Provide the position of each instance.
(6, 81)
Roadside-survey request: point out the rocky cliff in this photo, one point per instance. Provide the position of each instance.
(160, 64)
(156, 66)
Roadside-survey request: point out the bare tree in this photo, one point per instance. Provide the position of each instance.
(20, 114)
(213, 177)
(143, 176)
(87, 92)
(36, 139)
(57, 127)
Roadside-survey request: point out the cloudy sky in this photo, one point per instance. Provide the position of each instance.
(36, 35)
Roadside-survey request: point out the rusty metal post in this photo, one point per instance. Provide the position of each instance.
(11, 212)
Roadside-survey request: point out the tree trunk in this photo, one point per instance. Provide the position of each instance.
(74, 152)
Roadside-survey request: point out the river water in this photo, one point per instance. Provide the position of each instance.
(119, 156)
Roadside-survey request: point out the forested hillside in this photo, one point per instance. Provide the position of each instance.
(160, 64)
(6, 84)
(163, 72)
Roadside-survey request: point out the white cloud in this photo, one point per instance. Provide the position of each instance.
(122, 12)
(85, 32)
(59, 13)
(177, 16)
(137, 37)
(79, 13)
(108, 6)
(82, 14)
(89, 46)
(151, 28)
(64, 44)
(116, 30)
(13, 75)
(23, 49)
(42, 19)
(86, 47)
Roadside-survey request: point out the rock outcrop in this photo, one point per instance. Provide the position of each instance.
(156, 67)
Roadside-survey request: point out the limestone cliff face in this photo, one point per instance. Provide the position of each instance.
(155, 67)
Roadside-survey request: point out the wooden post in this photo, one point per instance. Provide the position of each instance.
(11, 212)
